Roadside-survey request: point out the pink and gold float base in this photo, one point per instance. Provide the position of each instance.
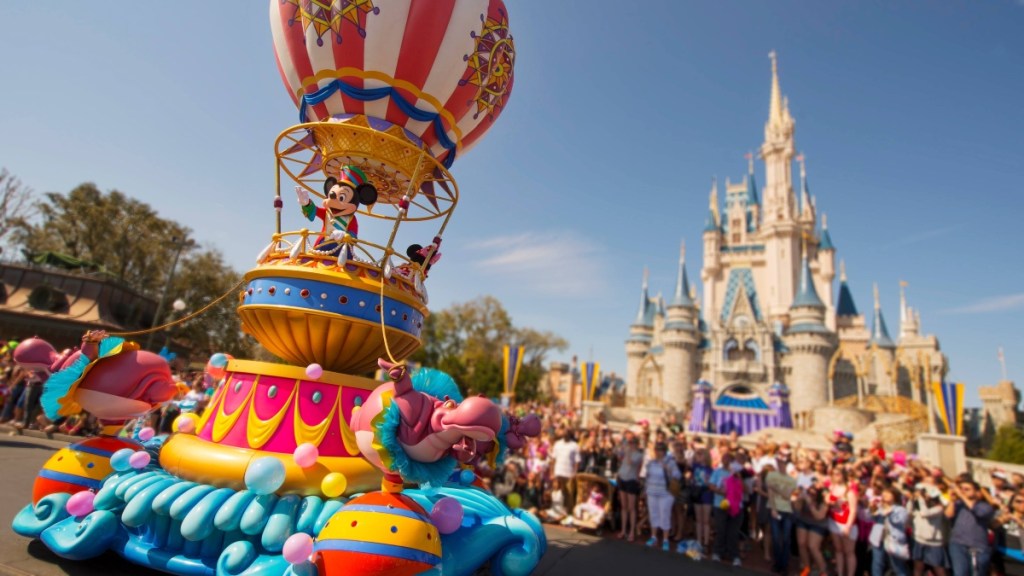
(264, 409)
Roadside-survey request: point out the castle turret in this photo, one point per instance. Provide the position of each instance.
(781, 230)
(827, 271)
(712, 248)
(641, 335)
(910, 321)
(680, 339)
(883, 352)
(810, 344)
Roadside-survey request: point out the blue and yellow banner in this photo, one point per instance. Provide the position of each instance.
(513, 361)
(949, 403)
(591, 379)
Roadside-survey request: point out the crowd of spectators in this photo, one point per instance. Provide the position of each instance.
(805, 511)
(808, 512)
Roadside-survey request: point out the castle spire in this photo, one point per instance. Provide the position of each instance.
(826, 238)
(903, 302)
(752, 197)
(776, 113)
(846, 305)
(643, 316)
(807, 295)
(682, 295)
(910, 321)
(879, 332)
(714, 221)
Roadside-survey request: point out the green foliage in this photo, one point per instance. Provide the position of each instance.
(467, 340)
(1008, 446)
(131, 243)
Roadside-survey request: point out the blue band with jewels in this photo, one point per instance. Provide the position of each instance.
(335, 299)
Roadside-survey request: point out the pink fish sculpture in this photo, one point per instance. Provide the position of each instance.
(415, 429)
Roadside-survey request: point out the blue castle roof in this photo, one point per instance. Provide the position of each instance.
(682, 295)
(807, 295)
(879, 332)
(740, 277)
(845, 306)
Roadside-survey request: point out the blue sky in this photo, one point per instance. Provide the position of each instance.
(909, 115)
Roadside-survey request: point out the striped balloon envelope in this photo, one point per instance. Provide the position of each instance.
(442, 70)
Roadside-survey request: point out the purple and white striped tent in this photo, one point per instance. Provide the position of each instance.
(739, 410)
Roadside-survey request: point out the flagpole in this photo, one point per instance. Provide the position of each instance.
(1002, 362)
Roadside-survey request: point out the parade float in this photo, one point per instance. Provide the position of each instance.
(311, 466)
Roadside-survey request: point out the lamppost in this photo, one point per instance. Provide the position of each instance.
(178, 306)
(180, 243)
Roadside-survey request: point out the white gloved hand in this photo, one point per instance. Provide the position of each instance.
(337, 235)
(303, 195)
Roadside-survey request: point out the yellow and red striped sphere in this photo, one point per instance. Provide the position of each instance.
(80, 466)
(379, 533)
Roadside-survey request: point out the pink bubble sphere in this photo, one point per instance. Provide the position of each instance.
(185, 423)
(297, 548)
(81, 503)
(305, 455)
(146, 434)
(447, 515)
(139, 460)
(314, 371)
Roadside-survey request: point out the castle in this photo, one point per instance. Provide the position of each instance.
(770, 323)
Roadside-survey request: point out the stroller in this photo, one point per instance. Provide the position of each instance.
(585, 516)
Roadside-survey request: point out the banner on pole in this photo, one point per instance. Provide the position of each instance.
(591, 375)
(949, 403)
(513, 361)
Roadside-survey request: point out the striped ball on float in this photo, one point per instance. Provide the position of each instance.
(80, 466)
(378, 533)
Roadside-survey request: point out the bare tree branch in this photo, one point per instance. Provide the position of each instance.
(16, 204)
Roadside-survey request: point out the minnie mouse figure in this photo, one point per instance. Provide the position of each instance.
(342, 197)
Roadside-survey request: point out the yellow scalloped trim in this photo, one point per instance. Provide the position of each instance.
(348, 437)
(314, 434)
(259, 430)
(224, 421)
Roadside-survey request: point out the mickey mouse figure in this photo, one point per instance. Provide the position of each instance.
(418, 254)
(343, 195)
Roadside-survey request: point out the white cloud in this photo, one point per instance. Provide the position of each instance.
(549, 263)
(993, 304)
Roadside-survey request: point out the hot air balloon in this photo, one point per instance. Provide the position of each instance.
(442, 70)
(389, 93)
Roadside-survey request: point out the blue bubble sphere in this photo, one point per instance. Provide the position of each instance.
(219, 360)
(264, 475)
(121, 460)
(467, 477)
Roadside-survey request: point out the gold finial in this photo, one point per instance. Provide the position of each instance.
(842, 270)
(803, 168)
(877, 303)
(750, 162)
(682, 250)
(824, 221)
(646, 274)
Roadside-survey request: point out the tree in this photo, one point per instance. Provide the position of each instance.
(204, 277)
(123, 235)
(1008, 446)
(16, 204)
(467, 340)
(130, 242)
